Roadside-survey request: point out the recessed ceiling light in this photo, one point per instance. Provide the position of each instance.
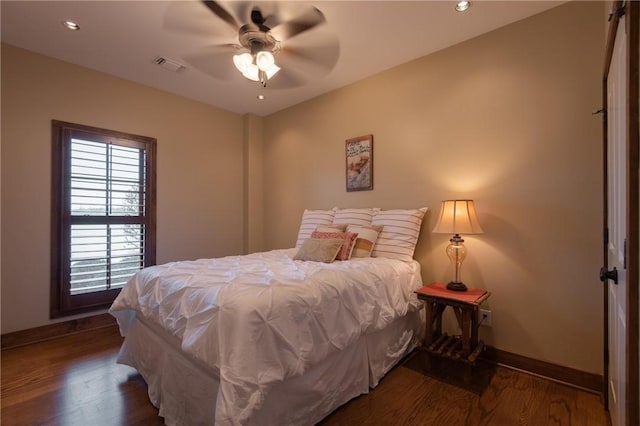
(71, 25)
(260, 97)
(463, 5)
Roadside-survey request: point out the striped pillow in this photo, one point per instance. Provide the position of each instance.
(399, 236)
(353, 216)
(331, 228)
(311, 219)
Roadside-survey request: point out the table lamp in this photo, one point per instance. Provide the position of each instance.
(457, 217)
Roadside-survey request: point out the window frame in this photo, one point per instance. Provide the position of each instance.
(62, 302)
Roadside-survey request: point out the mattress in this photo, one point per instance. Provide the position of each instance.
(255, 322)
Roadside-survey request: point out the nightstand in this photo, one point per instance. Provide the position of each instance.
(465, 305)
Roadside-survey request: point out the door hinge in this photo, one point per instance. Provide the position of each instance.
(601, 111)
(619, 12)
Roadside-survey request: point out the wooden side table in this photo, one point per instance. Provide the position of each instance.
(465, 305)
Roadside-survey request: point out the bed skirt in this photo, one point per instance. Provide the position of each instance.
(185, 391)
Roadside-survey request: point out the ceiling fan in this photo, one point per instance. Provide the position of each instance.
(283, 43)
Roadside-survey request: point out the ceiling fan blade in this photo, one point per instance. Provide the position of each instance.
(188, 18)
(256, 17)
(315, 53)
(258, 20)
(271, 15)
(287, 78)
(221, 13)
(216, 61)
(242, 10)
(302, 23)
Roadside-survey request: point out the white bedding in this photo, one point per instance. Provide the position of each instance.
(259, 319)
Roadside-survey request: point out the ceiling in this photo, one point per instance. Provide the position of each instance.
(122, 38)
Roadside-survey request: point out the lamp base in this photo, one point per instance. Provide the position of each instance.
(456, 286)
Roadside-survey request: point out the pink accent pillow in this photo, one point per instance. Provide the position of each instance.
(349, 241)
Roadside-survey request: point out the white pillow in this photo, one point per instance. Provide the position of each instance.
(353, 216)
(311, 219)
(399, 236)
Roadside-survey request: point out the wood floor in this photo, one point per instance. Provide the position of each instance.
(74, 380)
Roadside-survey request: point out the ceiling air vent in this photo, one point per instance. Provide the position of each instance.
(168, 64)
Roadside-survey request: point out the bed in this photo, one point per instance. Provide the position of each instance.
(266, 338)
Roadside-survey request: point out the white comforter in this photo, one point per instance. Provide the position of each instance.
(261, 318)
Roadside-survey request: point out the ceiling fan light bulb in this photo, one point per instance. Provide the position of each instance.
(242, 62)
(272, 71)
(265, 60)
(252, 72)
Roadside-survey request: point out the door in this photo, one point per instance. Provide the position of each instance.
(616, 224)
(621, 206)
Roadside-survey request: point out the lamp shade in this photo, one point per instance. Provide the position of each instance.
(457, 217)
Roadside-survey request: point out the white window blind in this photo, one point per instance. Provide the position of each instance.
(106, 180)
(104, 256)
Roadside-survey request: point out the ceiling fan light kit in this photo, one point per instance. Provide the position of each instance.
(256, 70)
(260, 64)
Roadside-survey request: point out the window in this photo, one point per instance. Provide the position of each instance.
(103, 214)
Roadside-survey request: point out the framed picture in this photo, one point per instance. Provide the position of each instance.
(359, 153)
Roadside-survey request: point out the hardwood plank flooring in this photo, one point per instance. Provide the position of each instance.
(74, 380)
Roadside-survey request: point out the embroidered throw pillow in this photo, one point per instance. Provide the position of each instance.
(319, 250)
(348, 243)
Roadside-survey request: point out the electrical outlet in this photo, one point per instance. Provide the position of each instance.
(485, 317)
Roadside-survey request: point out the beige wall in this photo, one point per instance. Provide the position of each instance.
(504, 119)
(254, 183)
(200, 169)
